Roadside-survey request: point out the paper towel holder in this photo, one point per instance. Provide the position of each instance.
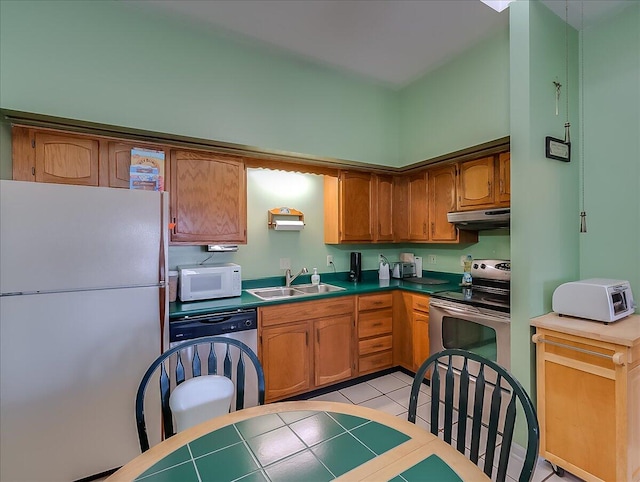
(285, 219)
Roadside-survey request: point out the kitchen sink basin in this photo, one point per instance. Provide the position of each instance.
(282, 292)
(317, 289)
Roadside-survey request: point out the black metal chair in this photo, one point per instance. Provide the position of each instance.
(219, 356)
(453, 396)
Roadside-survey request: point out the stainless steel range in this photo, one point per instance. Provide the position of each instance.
(478, 318)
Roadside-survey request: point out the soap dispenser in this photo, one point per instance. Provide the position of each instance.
(315, 277)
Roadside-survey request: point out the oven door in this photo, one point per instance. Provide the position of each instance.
(484, 332)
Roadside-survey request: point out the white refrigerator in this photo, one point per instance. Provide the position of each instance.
(82, 303)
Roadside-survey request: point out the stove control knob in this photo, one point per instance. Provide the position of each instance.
(483, 266)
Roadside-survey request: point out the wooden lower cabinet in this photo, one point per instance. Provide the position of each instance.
(286, 359)
(410, 329)
(588, 389)
(333, 360)
(375, 328)
(306, 345)
(419, 328)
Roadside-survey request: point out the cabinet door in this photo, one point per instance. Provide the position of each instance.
(476, 184)
(356, 206)
(384, 211)
(120, 163)
(418, 210)
(442, 200)
(400, 208)
(504, 178)
(333, 350)
(208, 198)
(420, 325)
(66, 159)
(286, 357)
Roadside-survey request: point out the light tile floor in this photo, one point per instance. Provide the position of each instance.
(390, 393)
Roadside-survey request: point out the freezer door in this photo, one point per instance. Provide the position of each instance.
(57, 237)
(70, 365)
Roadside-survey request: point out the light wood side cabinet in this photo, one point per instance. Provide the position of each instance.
(375, 328)
(588, 389)
(208, 198)
(306, 345)
(400, 208)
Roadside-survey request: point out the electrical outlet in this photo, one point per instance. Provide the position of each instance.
(329, 260)
(285, 263)
(431, 259)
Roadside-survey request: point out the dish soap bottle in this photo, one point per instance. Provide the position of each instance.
(466, 277)
(315, 277)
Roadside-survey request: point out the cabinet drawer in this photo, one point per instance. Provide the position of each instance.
(379, 361)
(373, 345)
(374, 302)
(420, 303)
(375, 323)
(305, 310)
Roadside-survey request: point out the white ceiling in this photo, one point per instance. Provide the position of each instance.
(390, 41)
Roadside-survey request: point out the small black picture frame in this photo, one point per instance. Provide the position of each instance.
(557, 149)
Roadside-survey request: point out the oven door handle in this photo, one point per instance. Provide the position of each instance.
(476, 313)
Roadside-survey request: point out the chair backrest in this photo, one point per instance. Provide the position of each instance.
(184, 361)
(489, 407)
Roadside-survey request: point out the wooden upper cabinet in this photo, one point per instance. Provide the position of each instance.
(442, 200)
(400, 208)
(504, 179)
(476, 184)
(208, 198)
(418, 207)
(384, 211)
(349, 207)
(357, 195)
(55, 157)
(120, 163)
(45, 155)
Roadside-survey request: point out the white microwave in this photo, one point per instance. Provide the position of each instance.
(206, 282)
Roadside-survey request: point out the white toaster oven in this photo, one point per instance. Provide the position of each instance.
(597, 299)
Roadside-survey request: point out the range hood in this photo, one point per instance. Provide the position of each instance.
(481, 219)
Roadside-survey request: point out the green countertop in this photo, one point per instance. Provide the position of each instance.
(369, 284)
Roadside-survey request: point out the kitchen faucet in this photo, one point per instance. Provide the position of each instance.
(289, 279)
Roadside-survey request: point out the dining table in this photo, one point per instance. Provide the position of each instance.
(302, 441)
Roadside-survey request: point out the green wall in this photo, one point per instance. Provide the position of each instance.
(611, 246)
(462, 104)
(123, 64)
(544, 199)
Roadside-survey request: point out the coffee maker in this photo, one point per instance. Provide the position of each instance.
(355, 272)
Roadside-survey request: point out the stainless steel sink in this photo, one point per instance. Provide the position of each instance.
(282, 292)
(318, 289)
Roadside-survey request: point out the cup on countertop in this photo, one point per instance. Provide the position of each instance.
(173, 286)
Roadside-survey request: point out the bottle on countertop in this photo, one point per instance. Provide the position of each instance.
(315, 277)
(466, 277)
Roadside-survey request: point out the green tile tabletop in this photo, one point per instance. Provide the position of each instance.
(293, 441)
